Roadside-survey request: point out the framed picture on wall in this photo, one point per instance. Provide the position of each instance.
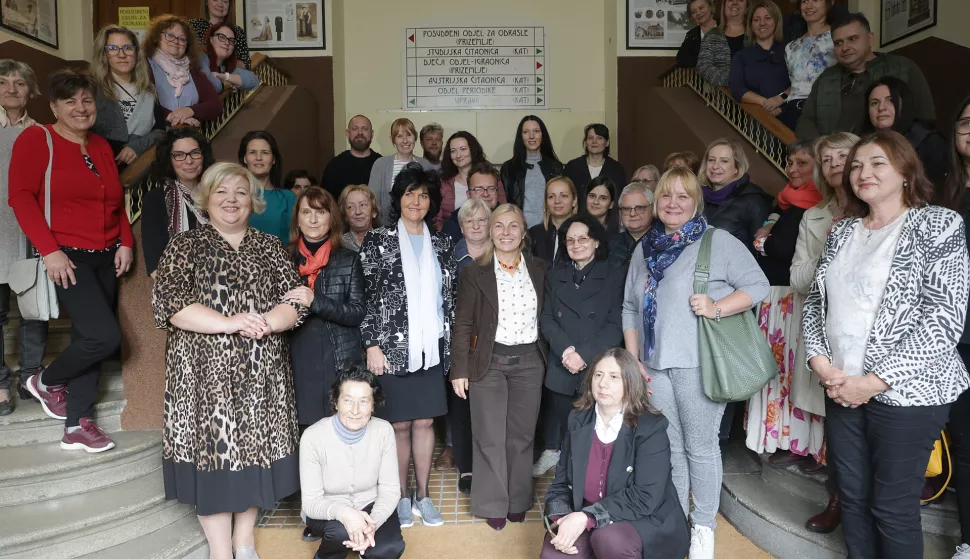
(285, 24)
(657, 24)
(34, 19)
(899, 19)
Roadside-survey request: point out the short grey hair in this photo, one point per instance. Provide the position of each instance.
(10, 67)
(470, 207)
(638, 188)
(429, 128)
(652, 168)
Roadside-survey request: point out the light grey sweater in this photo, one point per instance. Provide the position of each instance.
(380, 183)
(732, 269)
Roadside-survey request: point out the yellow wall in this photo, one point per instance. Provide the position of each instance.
(368, 66)
(951, 22)
(75, 20)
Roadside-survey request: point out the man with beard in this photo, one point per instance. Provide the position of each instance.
(431, 137)
(352, 166)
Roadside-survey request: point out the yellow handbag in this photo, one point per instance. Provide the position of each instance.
(939, 455)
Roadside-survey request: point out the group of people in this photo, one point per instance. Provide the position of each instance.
(314, 333)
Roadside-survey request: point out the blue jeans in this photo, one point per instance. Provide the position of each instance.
(880, 454)
(33, 342)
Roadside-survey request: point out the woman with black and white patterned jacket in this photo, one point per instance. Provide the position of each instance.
(881, 325)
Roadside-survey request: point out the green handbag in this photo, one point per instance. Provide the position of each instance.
(736, 360)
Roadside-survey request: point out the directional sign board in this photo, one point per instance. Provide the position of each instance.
(475, 68)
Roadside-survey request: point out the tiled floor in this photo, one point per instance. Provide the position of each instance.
(443, 489)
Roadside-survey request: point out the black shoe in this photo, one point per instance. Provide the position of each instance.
(308, 535)
(25, 395)
(465, 484)
(6, 407)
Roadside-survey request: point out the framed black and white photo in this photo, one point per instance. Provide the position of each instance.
(285, 24)
(899, 19)
(34, 19)
(657, 24)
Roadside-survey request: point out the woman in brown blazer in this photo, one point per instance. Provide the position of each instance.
(498, 354)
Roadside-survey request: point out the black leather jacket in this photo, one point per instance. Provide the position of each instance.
(514, 182)
(743, 213)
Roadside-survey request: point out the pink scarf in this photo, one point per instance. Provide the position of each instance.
(176, 70)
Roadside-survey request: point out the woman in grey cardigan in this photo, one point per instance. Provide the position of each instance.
(722, 43)
(660, 313)
(125, 99)
(385, 169)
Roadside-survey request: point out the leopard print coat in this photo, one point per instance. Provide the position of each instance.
(229, 400)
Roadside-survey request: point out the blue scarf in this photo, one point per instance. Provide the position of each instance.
(660, 251)
(345, 435)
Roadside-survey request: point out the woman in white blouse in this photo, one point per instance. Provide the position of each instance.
(881, 325)
(348, 473)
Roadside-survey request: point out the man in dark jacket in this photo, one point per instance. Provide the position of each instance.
(482, 183)
(837, 102)
(636, 214)
(352, 166)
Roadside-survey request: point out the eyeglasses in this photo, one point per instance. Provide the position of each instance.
(115, 50)
(181, 155)
(172, 38)
(480, 222)
(483, 189)
(225, 39)
(633, 210)
(584, 240)
(847, 89)
(963, 126)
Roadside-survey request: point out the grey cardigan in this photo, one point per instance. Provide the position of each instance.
(380, 182)
(732, 269)
(714, 59)
(112, 126)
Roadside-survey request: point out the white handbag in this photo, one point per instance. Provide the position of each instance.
(28, 278)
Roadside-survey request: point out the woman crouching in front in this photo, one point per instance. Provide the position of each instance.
(613, 496)
(348, 472)
(498, 356)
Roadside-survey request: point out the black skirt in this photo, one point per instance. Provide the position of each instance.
(418, 395)
(231, 491)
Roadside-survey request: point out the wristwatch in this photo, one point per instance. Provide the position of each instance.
(783, 95)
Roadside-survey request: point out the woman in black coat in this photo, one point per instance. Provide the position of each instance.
(534, 163)
(328, 342)
(596, 158)
(731, 201)
(580, 319)
(613, 495)
(559, 205)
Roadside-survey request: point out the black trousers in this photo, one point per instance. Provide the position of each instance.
(388, 539)
(555, 415)
(880, 457)
(33, 342)
(960, 450)
(460, 423)
(95, 334)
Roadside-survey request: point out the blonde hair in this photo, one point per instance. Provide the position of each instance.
(371, 197)
(470, 206)
(775, 14)
(545, 206)
(740, 159)
(220, 173)
(691, 186)
(488, 251)
(402, 123)
(839, 140)
(101, 68)
(722, 24)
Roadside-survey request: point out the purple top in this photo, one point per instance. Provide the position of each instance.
(596, 469)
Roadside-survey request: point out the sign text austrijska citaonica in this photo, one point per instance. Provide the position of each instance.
(475, 68)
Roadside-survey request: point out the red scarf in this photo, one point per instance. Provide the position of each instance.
(805, 196)
(314, 262)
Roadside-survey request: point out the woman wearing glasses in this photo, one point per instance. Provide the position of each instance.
(184, 92)
(126, 99)
(219, 61)
(217, 13)
(182, 156)
(461, 153)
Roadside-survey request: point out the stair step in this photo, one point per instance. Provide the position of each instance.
(774, 520)
(88, 522)
(28, 424)
(182, 539)
(111, 377)
(42, 472)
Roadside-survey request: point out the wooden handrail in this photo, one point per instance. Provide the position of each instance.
(767, 120)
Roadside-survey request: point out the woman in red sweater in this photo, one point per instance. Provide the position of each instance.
(86, 247)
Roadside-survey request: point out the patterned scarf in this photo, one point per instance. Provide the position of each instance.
(660, 251)
(177, 70)
(314, 261)
(178, 199)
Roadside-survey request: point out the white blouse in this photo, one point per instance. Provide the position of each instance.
(855, 285)
(518, 306)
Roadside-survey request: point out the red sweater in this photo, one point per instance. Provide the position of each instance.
(87, 211)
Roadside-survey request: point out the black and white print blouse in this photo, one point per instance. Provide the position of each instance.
(912, 345)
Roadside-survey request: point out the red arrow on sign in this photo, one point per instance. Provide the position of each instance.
(538, 65)
(411, 38)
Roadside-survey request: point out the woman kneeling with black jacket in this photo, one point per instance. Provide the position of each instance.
(613, 495)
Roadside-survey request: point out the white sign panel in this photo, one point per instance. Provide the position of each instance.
(475, 68)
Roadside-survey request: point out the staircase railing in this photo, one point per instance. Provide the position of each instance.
(136, 179)
(765, 132)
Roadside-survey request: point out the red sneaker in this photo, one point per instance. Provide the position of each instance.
(89, 438)
(53, 400)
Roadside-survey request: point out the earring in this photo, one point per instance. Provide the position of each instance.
(905, 184)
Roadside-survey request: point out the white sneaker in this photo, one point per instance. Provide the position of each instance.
(547, 460)
(963, 552)
(701, 543)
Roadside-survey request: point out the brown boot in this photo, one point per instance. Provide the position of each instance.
(827, 520)
(446, 460)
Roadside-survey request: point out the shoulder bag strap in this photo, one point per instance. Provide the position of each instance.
(702, 270)
(47, 176)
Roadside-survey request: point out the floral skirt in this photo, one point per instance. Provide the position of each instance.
(772, 421)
